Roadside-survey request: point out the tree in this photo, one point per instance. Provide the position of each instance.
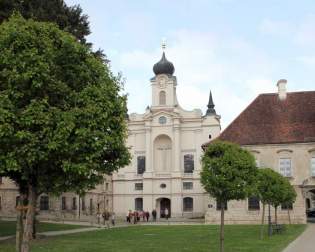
(228, 173)
(273, 189)
(289, 197)
(67, 18)
(267, 181)
(62, 120)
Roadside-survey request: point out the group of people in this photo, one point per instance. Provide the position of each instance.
(135, 216)
(108, 218)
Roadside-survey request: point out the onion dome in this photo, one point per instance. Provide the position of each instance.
(163, 66)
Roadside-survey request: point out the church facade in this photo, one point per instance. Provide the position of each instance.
(165, 143)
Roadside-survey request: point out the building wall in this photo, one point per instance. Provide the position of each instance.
(302, 180)
(183, 133)
(101, 198)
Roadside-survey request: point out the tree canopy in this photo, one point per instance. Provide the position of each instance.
(228, 171)
(273, 188)
(67, 18)
(62, 120)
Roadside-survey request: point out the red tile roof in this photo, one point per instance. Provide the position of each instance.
(268, 120)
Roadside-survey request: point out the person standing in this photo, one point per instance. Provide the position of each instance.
(98, 217)
(106, 216)
(154, 214)
(166, 212)
(147, 215)
(113, 219)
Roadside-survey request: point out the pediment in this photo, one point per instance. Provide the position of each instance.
(160, 113)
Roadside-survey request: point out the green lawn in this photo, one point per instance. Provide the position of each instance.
(194, 238)
(8, 227)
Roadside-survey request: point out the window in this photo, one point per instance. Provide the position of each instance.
(187, 185)
(44, 203)
(106, 186)
(162, 120)
(257, 163)
(287, 206)
(162, 98)
(0, 204)
(107, 202)
(188, 163)
(83, 204)
(162, 185)
(188, 204)
(219, 205)
(17, 201)
(138, 204)
(140, 164)
(138, 186)
(74, 203)
(253, 203)
(0, 180)
(313, 166)
(91, 206)
(63, 203)
(285, 167)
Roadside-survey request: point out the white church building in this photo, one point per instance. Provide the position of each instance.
(165, 144)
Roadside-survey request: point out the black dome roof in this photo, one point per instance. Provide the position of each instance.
(163, 66)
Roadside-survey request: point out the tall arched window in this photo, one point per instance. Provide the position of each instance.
(162, 98)
(188, 204)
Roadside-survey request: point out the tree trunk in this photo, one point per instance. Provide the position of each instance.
(28, 228)
(19, 224)
(276, 217)
(222, 228)
(289, 216)
(262, 222)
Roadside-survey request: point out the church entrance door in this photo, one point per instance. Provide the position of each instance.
(165, 204)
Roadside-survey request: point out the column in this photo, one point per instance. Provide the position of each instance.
(177, 149)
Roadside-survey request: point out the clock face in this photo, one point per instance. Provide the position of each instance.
(162, 83)
(162, 120)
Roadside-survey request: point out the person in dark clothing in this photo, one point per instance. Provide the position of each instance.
(135, 217)
(147, 215)
(154, 214)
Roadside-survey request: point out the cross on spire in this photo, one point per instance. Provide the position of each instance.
(163, 44)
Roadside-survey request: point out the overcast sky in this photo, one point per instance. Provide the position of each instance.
(236, 48)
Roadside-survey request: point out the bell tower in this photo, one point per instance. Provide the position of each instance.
(164, 83)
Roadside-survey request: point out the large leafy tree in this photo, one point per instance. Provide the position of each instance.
(62, 120)
(228, 173)
(67, 18)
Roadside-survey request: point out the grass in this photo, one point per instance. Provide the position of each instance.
(196, 238)
(8, 227)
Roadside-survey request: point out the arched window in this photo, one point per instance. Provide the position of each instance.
(138, 204)
(188, 204)
(162, 98)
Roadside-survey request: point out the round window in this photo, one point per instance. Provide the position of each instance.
(163, 185)
(162, 120)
